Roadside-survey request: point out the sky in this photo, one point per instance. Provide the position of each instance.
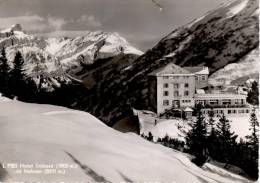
(141, 22)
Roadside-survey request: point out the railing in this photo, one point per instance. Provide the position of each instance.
(226, 106)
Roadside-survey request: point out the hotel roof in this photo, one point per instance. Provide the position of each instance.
(170, 69)
(198, 70)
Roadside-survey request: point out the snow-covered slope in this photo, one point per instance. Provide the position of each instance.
(246, 67)
(45, 135)
(176, 129)
(220, 37)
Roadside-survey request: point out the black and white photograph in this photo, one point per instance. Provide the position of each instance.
(129, 91)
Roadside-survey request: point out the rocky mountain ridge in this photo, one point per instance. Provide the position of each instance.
(54, 58)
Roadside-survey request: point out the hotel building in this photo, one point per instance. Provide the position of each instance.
(174, 87)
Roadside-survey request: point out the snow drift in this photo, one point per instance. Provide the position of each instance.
(46, 135)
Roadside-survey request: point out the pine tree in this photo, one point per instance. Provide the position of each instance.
(196, 139)
(166, 140)
(227, 139)
(211, 121)
(212, 140)
(253, 94)
(254, 137)
(17, 76)
(150, 137)
(4, 71)
(4, 67)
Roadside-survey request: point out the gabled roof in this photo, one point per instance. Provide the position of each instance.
(169, 69)
(198, 70)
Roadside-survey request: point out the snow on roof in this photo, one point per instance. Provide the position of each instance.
(200, 91)
(188, 109)
(198, 70)
(219, 96)
(170, 69)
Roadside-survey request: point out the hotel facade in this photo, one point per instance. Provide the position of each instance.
(174, 87)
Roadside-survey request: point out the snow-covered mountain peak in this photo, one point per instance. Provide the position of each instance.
(15, 27)
(14, 35)
(115, 43)
(73, 52)
(53, 57)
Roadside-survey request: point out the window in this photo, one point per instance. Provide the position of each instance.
(186, 101)
(196, 78)
(186, 93)
(165, 77)
(213, 102)
(229, 111)
(176, 103)
(176, 93)
(165, 85)
(226, 101)
(165, 93)
(165, 102)
(186, 85)
(203, 78)
(176, 85)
